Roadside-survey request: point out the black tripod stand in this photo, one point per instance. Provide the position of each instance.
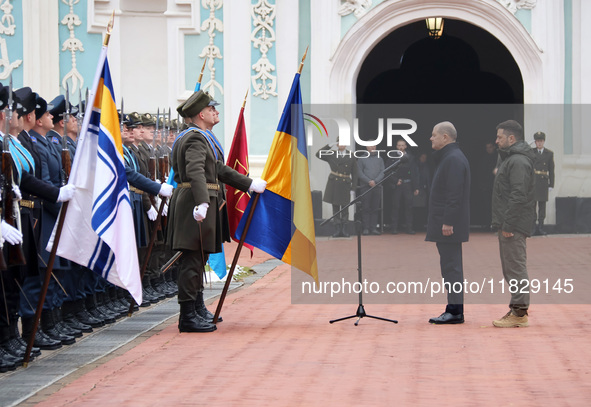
(388, 172)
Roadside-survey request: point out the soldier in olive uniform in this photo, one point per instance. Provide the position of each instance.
(198, 219)
(544, 178)
(342, 178)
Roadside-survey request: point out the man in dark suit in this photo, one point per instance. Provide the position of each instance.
(449, 216)
(198, 200)
(543, 177)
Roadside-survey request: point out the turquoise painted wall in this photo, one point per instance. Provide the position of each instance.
(194, 45)
(86, 61)
(264, 113)
(14, 47)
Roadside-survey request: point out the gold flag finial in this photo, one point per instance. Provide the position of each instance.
(245, 96)
(202, 69)
(302, 63)
(109, 29)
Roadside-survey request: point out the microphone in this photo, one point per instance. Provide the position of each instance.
(391, 168)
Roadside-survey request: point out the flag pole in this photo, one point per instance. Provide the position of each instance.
(245, 96)
(149, 251)
(51, 261)
(245, 231)
(201, 73)
(235, 260)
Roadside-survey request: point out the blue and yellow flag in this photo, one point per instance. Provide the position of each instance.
(283, 223)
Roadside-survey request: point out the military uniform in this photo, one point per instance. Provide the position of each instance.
(200, 173)
(544, 179)
(342, 178)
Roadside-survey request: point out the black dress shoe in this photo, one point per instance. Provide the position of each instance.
(447, 318)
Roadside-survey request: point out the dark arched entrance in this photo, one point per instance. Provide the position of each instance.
(466, 66)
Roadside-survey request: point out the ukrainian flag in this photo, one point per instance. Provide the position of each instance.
(283, 223)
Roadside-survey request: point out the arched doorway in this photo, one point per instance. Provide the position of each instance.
(466, 66)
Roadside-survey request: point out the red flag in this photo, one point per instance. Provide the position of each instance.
(238, 159)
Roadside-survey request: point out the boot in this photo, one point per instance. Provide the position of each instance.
(202, 311)
(92, 304)
(101, 310)
(344, 232)
(338, 230)
(70, 319)
(189, 321)
(49, 327)
(62, 326)
(8, 346)
(42, 341)
(6, 362)
(86, 317)
(541, 228)
(154, 296)
(15, 335)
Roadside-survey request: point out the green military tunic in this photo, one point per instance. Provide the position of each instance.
(200, 178)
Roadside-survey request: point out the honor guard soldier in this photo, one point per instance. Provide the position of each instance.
(340, 183)
(544, 178)
(199, 200)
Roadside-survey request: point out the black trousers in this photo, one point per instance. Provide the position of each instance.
(402, 198)
(541, 211)
(191, 269)
(452, 271)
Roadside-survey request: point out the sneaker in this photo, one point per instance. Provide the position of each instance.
(510, 320)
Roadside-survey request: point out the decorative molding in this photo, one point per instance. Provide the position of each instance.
(263, 37)
(211, 51)
(7, 27)
(357, 7)
(73, 45)
(514, 5)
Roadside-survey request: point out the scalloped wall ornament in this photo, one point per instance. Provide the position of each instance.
(211, 51)
(72, 44)
(357, 7)
(514, 5)
(263, 37)
(7, 27)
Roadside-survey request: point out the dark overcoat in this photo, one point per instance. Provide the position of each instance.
(342, 177)
(449, 200)
(195, 166)
(543, 173)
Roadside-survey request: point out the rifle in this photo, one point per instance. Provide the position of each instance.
(10, 211)
(66, 159)
(152, 160)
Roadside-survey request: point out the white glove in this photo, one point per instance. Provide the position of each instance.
(550, 189)
(66, 193)
(152, 214)
(258, 185)
(352, 195)
(17, 193)
(166, 190)
(165, 210)
(333, 145)
(199, 212)
(158, 200)
(10, 234)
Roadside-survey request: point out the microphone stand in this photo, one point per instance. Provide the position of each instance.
(388, 172)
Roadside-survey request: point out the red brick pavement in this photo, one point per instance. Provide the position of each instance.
(270, 352)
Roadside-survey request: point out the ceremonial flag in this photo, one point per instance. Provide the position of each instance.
(98, 229)
(283, 223)
(238, 160)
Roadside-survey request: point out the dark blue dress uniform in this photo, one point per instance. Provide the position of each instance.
(544, 179)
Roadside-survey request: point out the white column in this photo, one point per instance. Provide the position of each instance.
(41, 47)
(237, 51)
